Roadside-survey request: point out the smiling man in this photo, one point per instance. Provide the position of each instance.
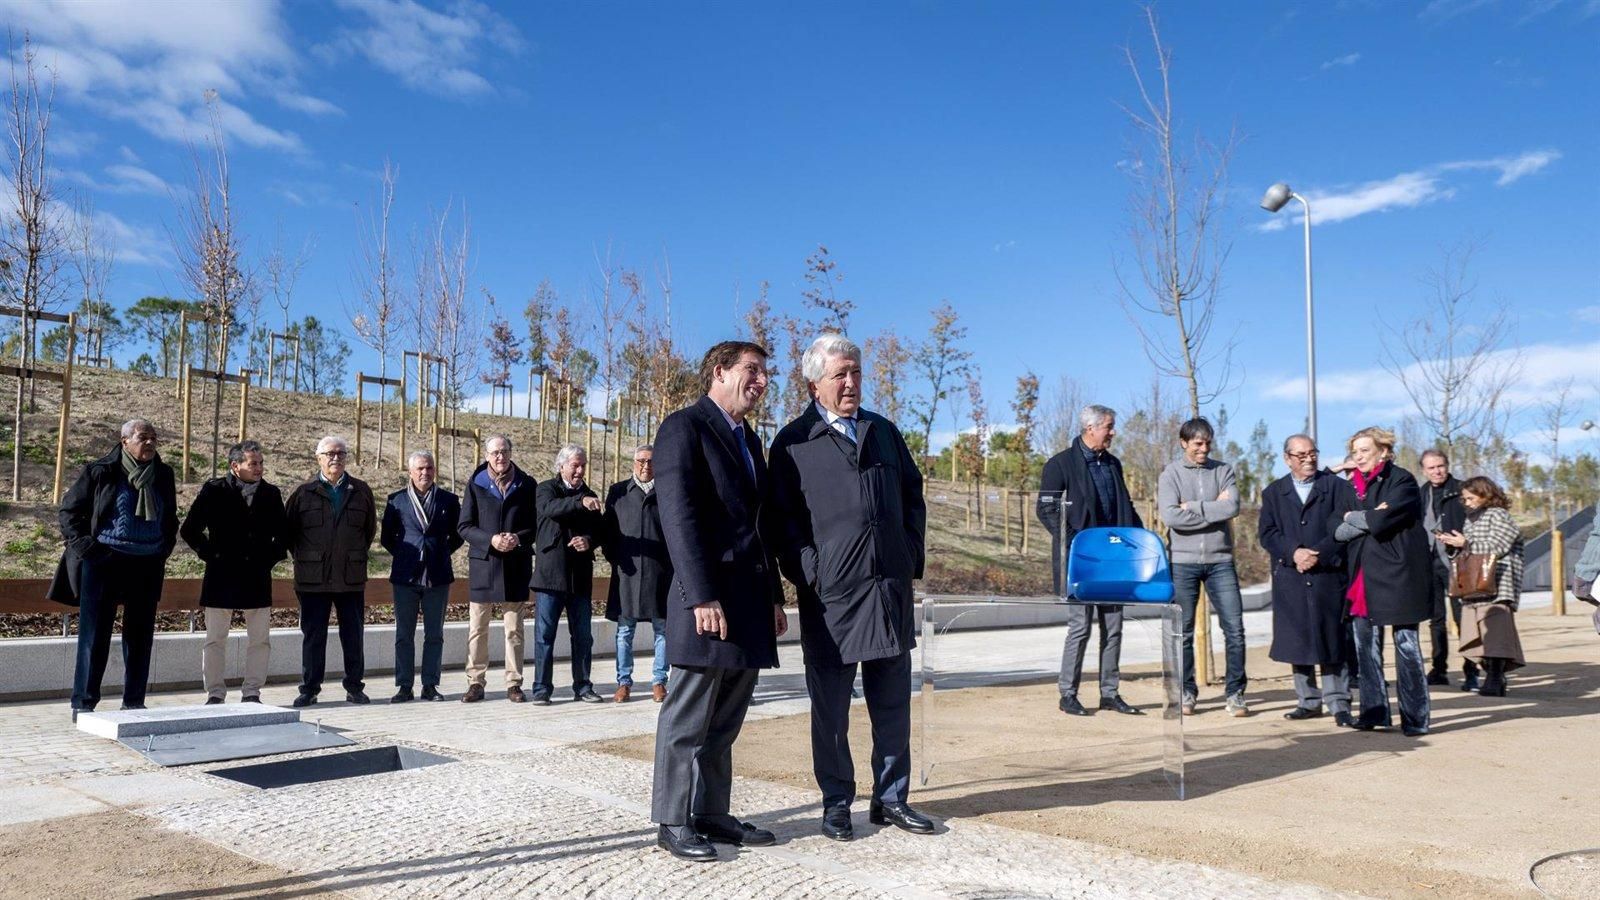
(850, 527)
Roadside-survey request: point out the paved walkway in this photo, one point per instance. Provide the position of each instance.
(527, 811)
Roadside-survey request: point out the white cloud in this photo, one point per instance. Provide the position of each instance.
(135, 244)
(125, 178)
(1589, 314)
(429, 50)
(1349, 59)
(1410, 189)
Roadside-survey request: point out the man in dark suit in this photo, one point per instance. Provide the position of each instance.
(1082, 487)
(1308, 581)
(420, 531)
(849, 524)
(497, 519)
(641, 572)
(568, 524)
(725, 606)
(236, 526)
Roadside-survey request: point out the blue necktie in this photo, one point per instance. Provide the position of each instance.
(744, 450)
(847, 427)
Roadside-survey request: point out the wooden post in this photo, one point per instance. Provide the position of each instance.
(1202, 638)
(436, 444)
(182, 361)
(1005, 516)
(1022, 509)
(1558, 574)
(66, 408)
(188, 397)
(588, 440)
(244, 403)
(361, 380)
(422, 391)
(296, 364)
(566, 412)
(544, 401)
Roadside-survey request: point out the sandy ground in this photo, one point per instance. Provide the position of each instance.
(1499, 784)
(130, 856)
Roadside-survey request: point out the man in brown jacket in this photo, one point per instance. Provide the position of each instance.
(331, 522)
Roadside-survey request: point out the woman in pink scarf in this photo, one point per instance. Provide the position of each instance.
(1389, 580)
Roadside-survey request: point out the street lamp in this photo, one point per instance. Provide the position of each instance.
(1277, 196)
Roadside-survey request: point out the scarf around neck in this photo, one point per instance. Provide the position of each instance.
(142, 476)
(1364, 481)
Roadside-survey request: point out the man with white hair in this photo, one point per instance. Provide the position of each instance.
(497, 519)
(1082, 487)
(420, 532)
(332, 520)
(849, 526)
(568, 525)
(119, 522)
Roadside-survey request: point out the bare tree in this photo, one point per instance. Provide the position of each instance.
(941, 361)
(612, 309)
(1024, 405)
(503, 345)
(1175, 203)
(1058, 421)
(456, 327)
(94, 257)
(375, 314)
(1555, 414)
(209, 250)
(1455, 365)
(281, 270)
(821, 276)
(760, 328)
(978, 464)
(889, 357)
(796, 390)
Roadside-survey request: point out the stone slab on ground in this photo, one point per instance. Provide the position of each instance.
(148, 789)
(186, 748)
(132, 723)
(38, 802)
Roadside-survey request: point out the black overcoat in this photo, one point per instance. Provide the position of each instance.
(849, 526)
(1394, 552)
(710, 513)
(641, 573)
(561, 517)
(89, 504)
(492, 576)
(414, 547)
(239, 542)
(1307, 607)
(1067, 502)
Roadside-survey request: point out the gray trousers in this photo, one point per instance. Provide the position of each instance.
(1335, 689)
(1078, 620)
(887, 686)
(695, 731)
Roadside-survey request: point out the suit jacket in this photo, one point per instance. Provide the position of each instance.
(1307, 607)
(1067, 502)
(239, 542)
(493, 576)
(848, 523)
(710, 510)
(560, 517)
(416, 550)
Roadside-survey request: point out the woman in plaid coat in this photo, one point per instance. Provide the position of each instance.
(1489, 627)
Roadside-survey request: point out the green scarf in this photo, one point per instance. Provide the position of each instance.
(143, 479)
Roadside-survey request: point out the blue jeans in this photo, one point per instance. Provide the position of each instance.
(1408, 664)
(549, 606)
(658, 667)
(1222, 587)
(408, 599)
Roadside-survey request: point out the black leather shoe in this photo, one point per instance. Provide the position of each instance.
(732, 831)
(304, 700)
(1300, 712)
(359, 698)
(1438, 678)
(133, 706)
(901, 816)
(213, 701)
(1343, 720)
(431, 693)
(836, 823)
(1365, 725)
(538, 699)
(1413, 732)
(1115, 703)
(254, 698)
(589, 696)
(403, 695)
(684, 843)
(1072, 707)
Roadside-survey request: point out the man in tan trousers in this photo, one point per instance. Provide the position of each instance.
(497, 522)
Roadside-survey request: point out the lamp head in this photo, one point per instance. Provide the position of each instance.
(1588, 424)
(1276, 197)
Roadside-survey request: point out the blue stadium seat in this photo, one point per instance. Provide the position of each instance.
(1119, 565)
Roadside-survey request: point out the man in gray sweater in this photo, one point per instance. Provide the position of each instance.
(1198, 501)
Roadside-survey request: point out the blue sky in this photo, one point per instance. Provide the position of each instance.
(940, 150)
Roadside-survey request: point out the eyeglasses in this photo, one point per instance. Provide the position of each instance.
(335, 454)
(145, 439)
(1309, 454)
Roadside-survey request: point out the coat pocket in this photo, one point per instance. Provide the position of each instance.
(308, 568)
(355, 566)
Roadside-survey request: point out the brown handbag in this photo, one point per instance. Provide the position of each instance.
(1472, 577)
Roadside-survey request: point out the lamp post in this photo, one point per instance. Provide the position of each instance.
(1277, 196)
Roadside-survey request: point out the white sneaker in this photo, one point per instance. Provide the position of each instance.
(1237, 706)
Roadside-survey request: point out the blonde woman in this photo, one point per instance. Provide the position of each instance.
(1489, 626)
(1390, 574)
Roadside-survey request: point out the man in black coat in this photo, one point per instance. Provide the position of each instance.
(1442, 510)
(725, 606)
(236, 526)
(1082, 487)
(641, 572)
(420, 531)
(497, 521)
(849, 524)
(566, 533)
(119, 521)
(1308, 580)
(332, 520)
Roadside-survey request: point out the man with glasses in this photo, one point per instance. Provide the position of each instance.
(420, 532)
(1308, 581)
(332, 520)
(497, 522)
(640, 571)
(119, 522)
